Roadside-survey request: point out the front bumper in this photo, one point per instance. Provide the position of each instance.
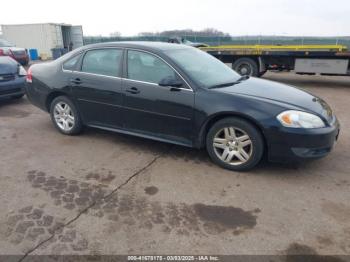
(12, 88)
(288, 144)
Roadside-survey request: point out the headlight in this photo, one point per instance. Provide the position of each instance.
(21, 71)
(299, 119)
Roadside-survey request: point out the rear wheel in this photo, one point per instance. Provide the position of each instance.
(65, 116)
(235, 144)
(246, 66)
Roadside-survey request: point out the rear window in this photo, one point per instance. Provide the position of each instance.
(71, 64)
(103, 62)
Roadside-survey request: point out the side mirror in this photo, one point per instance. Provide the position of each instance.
(170, 81)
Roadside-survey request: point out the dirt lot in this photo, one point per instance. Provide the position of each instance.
(105, 193)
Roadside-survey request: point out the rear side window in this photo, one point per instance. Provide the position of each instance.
(147, 68)
(71, 64)
(103, 62)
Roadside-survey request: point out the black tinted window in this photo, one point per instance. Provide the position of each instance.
(103, 62)
(147, 68)
(71, 63)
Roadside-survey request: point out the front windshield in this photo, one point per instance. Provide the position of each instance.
(4, 43)
(203, 68)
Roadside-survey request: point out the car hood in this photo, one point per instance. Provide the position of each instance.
(290, 96)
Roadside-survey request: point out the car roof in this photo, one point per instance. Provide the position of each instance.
(150, 46)
(154, 47)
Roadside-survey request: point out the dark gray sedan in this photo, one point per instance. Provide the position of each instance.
(12, 78)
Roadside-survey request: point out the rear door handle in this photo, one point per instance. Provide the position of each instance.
(133, 90)
(76, 81)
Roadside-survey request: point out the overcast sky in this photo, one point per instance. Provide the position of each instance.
(243, 17)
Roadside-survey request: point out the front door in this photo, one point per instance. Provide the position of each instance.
(152, 109)
(97, 87)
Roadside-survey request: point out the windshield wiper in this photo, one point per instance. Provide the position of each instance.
(245, 77)
(222, 85)
(229, 83)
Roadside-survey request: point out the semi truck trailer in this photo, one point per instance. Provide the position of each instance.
(255, 60)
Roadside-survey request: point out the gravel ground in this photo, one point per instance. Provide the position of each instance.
(106, 193)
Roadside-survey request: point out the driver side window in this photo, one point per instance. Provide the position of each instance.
(147, 68)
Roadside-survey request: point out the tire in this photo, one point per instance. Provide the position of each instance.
(17, 96)
(66, 119)
(248, 138)
(246, 66)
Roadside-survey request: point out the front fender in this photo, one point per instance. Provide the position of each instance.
(210, 108)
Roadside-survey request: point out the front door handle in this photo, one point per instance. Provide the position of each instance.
(133, 90)
(76, 81)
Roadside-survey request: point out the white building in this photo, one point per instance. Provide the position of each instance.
(43, 37)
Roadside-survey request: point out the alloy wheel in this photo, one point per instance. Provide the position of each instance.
(64, 116)
(233, 146)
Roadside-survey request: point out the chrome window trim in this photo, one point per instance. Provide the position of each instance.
(190, 89)
(142, 82)
(154, 84)
(87, 73)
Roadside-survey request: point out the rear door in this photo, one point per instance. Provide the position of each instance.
(152, 109)
(97, 87)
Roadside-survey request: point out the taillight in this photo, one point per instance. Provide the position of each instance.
(29, 77)
(2, 52)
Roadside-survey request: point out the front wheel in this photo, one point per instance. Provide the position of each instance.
(235, 144)
(65, 116)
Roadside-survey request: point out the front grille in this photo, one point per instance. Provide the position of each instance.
(9, 91)
(8, 77)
